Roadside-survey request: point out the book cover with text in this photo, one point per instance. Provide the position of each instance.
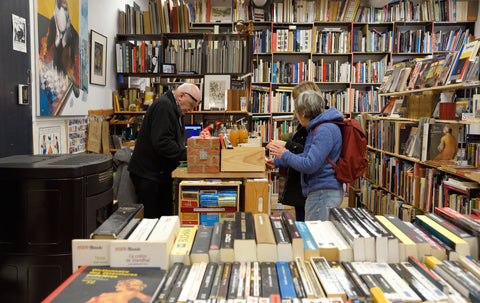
(89, 284)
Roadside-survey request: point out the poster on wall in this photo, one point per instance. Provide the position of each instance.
(49, 137)
(59, 59)
(19, 34)
(77, 135)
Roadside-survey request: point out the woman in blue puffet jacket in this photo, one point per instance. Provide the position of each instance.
(319, 183)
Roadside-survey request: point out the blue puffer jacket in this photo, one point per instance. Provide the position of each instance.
(317, 173)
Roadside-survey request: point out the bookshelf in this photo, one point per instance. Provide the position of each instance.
(407, 182)
(347, 60)
(164, 61)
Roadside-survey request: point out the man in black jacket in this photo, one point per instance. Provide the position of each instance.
(160, 147)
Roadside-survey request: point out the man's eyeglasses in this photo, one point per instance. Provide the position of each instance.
(196, 101)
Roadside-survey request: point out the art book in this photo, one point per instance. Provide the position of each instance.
(91, 283)
(441, 141)
(469, 52)
(422, 74)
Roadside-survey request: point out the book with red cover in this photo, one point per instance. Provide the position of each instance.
(91, 282)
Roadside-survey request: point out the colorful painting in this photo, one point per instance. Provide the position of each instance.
(59, 55)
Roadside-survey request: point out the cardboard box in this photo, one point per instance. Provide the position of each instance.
(256, 196)
(240, 159)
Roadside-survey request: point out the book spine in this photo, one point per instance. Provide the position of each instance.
(329, 282)
(279, 231)
(316, 285)
(460, 245)
(270, 287)
(351, 290)
(173, 273)
(178, 286)
(201, 243)
(197, 281)
(285, 281)
(143, 230)
(225, 281)
(227, 234)
(364, 289)
(427, 273)
(216, 281)
(234, 281)
(255, 280)
(214, 248)
(206, 286)
(308, 242)
(307, 286)
(297, 280)
(183, 244)
(190, 281)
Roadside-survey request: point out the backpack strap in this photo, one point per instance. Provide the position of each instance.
(339, 123)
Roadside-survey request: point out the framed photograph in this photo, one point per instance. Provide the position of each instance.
(214, 91)
(49, 137)
(168, 68)
(98, 58)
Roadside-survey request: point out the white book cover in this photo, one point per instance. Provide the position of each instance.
(143, 229)
(91, 252)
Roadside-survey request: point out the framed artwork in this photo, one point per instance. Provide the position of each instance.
(49, 137)
(98, 58)
(168, 68)
(58, 58)
(214, 91)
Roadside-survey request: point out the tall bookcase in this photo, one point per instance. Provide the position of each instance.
(347, 60)
(170, 59)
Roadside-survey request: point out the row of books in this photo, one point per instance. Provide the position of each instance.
(444, 248)
(312, 280)
(421, 187)
(354, 234)
(441, 69)
(368, 39)
(310, 70)
(161, 17)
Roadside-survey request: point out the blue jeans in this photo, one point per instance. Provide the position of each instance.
(319, 203)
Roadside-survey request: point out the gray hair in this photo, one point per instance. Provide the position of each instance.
(310, 102)
(186, 87)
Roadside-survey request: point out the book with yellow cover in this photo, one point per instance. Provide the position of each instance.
(183, 244)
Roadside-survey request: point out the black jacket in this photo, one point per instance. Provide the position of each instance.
(292, 189)
(160, 144)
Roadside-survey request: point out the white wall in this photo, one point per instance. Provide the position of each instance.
(102, 18)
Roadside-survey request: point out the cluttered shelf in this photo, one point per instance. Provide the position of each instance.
(466, 85)
(447, 166)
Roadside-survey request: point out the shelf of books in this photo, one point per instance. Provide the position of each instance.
(422, 146)
(252, 257)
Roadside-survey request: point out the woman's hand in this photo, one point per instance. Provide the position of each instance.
(276, 150)
(269, 163)
(276, 142)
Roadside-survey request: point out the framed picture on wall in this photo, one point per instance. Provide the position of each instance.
(98, 58)
(214, 91)
(49, 137)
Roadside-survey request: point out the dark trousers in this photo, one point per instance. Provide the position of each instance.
(156, 197)
(300, 212)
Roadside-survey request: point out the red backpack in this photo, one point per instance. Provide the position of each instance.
(352, 161)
